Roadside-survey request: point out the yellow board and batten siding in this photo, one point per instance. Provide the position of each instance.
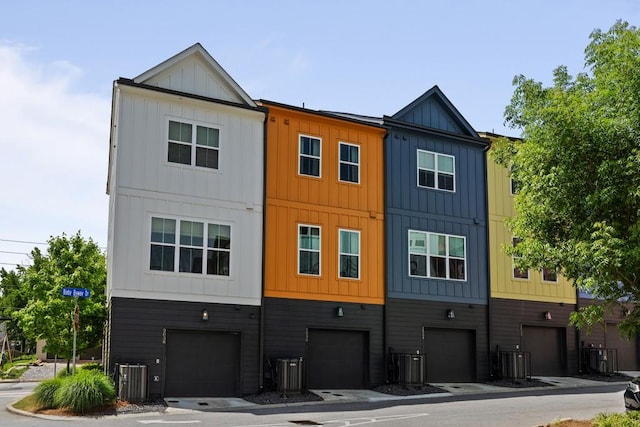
(503, 284)
(293, 199)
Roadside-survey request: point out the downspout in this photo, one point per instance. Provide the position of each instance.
(264, 223)
(385, 328)
(488, 252)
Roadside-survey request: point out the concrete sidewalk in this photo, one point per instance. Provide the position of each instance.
(348, 396)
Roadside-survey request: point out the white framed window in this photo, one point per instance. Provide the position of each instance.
(309, 242)
(193, 144)
(436, 255)
(187, 253)
(436, 170)
(348, 254)
(349, 162)
(517, 272)
(310, 159)
(549, 275)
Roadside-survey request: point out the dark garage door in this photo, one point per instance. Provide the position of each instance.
(202, 364)
(627, 350)
(546, 347)
(450, 354)
(337, 359)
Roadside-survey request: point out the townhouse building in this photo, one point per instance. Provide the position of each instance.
(324, 246)
(436, 240)
(184, 256)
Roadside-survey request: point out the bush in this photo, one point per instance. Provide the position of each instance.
(85, 391)
(628, 419)
(91, 367)
(45, 392)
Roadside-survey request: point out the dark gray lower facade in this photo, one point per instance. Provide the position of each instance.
(539, 329)
(341, 343)
(452, 337)
(623, 352)
(186, 355)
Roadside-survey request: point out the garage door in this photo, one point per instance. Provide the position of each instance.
(337, 359)
(450, 355)
(546, 346)
(202, 364)
(627, 350)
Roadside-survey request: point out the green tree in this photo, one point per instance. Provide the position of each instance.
(578, 171)
(70, 262)
(13, 298)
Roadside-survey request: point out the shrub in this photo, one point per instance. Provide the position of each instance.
(85, 391)
(91, 367)
(628, 419)
(45, 392)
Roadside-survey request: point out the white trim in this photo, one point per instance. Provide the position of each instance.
(548, 281)
(319, 250)
(340, 161)
(349, 254)
(435, 170)
(300, 136)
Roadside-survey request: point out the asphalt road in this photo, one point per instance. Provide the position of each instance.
(516, 409)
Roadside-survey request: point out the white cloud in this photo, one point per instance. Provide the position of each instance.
(53, 151)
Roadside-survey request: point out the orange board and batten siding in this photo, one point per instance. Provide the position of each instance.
(502, 281)
(326, 202)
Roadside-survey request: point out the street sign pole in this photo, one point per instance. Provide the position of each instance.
(75, 332)
(75, 293)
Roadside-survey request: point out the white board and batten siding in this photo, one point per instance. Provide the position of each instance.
(143, 184)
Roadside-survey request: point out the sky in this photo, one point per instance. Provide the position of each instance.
(58, 61)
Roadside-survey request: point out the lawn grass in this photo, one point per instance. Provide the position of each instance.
(29, 404)
(15, 368)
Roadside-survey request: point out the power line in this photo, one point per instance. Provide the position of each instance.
(22, 241)
(15, 253)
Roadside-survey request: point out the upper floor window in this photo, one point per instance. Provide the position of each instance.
(349, 254)
(549, 275)
(349, 162)
(517, 272)
(191, 247)
(192, 144)
(309, 250)
(310, 158)
(437, 255)
(436, 170)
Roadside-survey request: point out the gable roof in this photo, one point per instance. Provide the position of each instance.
(205, 78)
(434, 110)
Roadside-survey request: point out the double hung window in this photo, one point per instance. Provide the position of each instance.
(310, 149)
(349, 254)
(518, 273)
(349, 167)
(309, 250)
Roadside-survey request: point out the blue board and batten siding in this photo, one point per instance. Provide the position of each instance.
(432, 124)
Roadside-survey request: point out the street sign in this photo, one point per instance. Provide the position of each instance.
(76, 292)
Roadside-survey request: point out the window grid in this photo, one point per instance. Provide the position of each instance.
(186, 254)
(518, 273)
(309, 245)
(348, 254)
(549, 275)
(349, 162)
(436, 170)
(310, 156)
(192, 144)
(435, 255)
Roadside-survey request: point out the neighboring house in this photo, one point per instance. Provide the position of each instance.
(622, 353)
(436, 239)
(324, 246)
(529, 308)
(185, 228)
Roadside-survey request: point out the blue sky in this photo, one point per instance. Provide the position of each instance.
(58, 61)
